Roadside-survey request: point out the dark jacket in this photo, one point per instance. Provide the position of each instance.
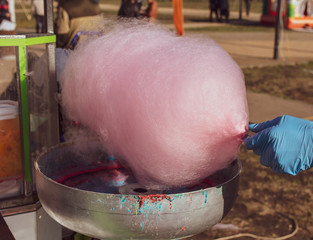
(4, 10)
(129, 9)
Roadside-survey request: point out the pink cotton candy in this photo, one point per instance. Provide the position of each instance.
(174, 109)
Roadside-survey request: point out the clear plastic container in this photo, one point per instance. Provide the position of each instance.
(11, 167)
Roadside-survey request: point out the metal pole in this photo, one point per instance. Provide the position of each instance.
(277, 29)
(49, 16)
(52, 79)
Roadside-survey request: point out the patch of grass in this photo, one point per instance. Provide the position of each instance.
(109, 13)
(23, 22)
(289, 81)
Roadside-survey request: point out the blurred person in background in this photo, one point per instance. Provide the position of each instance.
(214, 8)
(248, 6)
(4, 11)
(224, 9)
(151, 12)
(74, 16)
(38, 10)
(130, 9)
(138, 9)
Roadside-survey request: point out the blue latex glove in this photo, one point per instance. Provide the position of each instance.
(285, 144)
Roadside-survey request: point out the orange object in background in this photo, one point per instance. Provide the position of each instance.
(300, 22)
(10, 144)
(296, 14)
(178, 16)
(153, 10)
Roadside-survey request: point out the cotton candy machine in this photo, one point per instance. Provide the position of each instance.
(91, 193)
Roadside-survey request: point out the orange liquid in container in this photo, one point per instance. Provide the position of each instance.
(10, 142)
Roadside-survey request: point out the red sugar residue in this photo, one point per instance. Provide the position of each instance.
(85, 171)
(153, 198)
(208, 181)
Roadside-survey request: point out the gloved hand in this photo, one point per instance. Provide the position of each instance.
(285, 144)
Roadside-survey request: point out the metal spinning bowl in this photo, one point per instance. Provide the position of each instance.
(85, 191)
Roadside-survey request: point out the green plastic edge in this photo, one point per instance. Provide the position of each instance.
(25, 112)
(7, 42)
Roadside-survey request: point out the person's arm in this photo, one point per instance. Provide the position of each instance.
(62, 28)
(285, 144)
(152, 10)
